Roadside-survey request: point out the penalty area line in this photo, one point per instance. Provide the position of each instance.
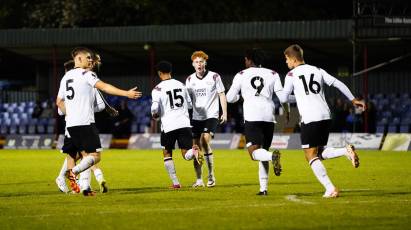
(294, 198)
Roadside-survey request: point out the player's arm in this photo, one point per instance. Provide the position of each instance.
(110, 89)
(155, 106)
(223, 103)
(99, 104)
(332, 81)
(285, 94)
(278, 89)
(61, 108)
(233, 94)
(60, 105)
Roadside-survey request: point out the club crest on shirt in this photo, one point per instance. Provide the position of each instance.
(290, 74)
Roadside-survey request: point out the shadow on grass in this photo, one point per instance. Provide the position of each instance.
(24, 183)
(23, 194)
(188, 188)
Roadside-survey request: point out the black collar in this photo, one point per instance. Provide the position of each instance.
(205, 74)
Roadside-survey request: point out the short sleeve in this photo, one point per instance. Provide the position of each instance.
(60, 93)
(91, 78)
(219, 83)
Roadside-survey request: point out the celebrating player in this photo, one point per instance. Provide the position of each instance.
(307, 82)
(99, 105)
(257, 86)
(76, 100)
(171, 103)
(206, 91)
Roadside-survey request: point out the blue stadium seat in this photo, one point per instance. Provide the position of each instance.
(50, 128)
(31, 128)
(392, 128)
(22, 129)
(404, 128)
(13, 129)
(40, 128)
(380, 128)
(3, 129)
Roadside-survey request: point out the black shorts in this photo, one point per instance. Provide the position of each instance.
(69, 148)
(259, 133)
(183, 137)
(204, 126)
(315, 134)
(85, 138)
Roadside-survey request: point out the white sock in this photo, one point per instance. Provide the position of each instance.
(321, 174)
(209, 158)
(99, 175)
(189, 155)
(63, 169)
(330, 152)
(84, 164)
(171, 170)
(262, 155)
(198, 170)
(263, 167)
(85, 179)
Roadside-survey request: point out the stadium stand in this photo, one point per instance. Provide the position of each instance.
(393, 115)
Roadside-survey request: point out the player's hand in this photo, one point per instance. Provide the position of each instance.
(133, 93)
(155, 116)
(359, 103)
(111, 111)
(223, 118)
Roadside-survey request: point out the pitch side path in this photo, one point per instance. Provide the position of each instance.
(377, 195)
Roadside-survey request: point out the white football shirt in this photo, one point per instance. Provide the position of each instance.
(204, 94)
(171, 101)
(307, 82)
(77, 91)
(257, 87)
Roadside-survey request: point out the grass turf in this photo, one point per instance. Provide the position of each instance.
(377, 195)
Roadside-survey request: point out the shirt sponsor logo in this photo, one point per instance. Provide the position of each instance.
(201, 92)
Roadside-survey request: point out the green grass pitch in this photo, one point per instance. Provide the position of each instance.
(377, 195)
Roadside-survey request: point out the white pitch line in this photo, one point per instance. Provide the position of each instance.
(175, 209)
(295, 199)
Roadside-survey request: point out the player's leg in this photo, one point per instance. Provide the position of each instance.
(263, 168)
(61, 178)
(209, 158)
(87, 140)
(268, 130)
(85, 179)
(98, 174)
(191, 153)
(325, 153)
(255, 139)
(320, 172)
(206, 137)
(70, 149)
(254, 136)
(315, 134)
(167, 142)
(197, 128)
